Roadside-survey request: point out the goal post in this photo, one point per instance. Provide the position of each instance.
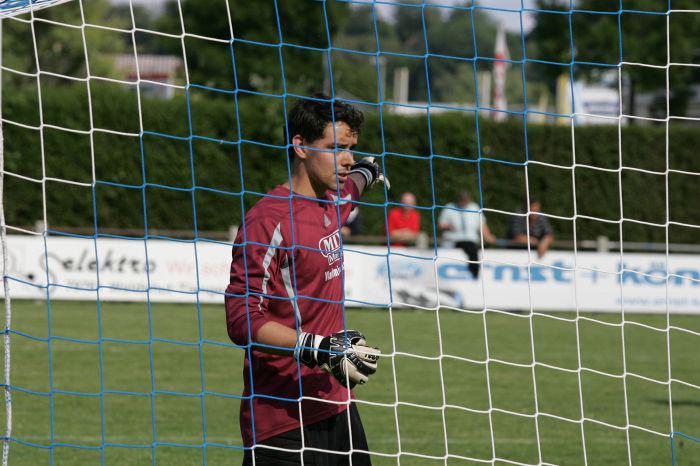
(9, 8)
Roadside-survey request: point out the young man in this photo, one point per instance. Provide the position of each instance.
(462, 226)
(284, 302)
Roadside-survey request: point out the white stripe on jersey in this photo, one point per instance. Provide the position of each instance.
(274, 244)
(287, 279)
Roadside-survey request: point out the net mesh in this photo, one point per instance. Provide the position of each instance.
(129, 138)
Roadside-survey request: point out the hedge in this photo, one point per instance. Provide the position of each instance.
(168, 179)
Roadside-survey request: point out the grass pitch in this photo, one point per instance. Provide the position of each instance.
(87, 394)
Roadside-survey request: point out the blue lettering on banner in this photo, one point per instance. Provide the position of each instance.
(454, 271)
(656, 275)
(504, 272)
(683, 276)
(537, 274)
(561, 275)
(631, 276)
(500, 272)
(559, 272)
(401, 269)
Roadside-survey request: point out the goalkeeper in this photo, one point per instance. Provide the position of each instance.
(285, 299)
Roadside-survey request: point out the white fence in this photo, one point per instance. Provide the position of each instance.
(173, 271)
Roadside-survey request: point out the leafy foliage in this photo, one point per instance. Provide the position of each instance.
(238, 153)
(598, 37)
(51, 43)
(211, 151)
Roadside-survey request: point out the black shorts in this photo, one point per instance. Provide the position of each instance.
(332, 434)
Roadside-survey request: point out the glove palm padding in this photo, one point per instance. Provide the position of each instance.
(345, 355)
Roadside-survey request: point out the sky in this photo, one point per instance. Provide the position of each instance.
(509, 20)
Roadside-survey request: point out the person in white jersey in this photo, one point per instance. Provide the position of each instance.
(462, 225)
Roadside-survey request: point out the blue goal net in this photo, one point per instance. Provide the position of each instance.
(530, 275)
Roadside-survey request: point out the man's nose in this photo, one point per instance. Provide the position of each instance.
(346, 158)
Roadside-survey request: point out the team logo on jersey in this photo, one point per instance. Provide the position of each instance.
(330, 247)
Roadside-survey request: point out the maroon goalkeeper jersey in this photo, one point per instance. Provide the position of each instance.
(288, 263)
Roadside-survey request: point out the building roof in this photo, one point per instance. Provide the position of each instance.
(153, 67)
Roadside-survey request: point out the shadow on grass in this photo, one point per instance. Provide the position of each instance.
(678, 403)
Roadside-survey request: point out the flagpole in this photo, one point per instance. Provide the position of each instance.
(500, 65)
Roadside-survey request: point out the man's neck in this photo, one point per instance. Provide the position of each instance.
(300, 183)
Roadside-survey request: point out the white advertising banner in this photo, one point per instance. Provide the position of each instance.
(72, 266)
(513, 280)
(509, 279)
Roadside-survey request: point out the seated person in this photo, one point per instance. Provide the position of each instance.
(540, 231)
(404, 222)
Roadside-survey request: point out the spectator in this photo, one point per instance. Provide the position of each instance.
(462, 226)
(540, 231)
(404, 222)
(353, 225)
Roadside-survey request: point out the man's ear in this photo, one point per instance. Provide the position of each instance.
(299, 151)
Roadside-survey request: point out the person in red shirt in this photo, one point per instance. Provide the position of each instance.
(403, 222)
(284, 301)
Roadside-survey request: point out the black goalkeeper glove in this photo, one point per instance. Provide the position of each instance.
(368, 168)
(344, 354)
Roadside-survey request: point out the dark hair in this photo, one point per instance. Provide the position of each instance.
(309, 118)
(463, 195)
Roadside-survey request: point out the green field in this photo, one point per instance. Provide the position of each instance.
(183, 430)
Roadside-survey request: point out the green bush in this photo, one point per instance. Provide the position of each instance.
(204, 163)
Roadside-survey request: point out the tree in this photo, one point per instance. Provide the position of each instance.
(452, 37)
(604, 37)
(59, 48)
(356, 75)
(259, 28)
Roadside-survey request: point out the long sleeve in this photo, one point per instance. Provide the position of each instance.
(254, 267)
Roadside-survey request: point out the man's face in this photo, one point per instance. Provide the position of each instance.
(408, 200)
(330, 156)
(464, 201)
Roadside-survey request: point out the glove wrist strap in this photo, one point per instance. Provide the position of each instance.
(306, 349)
(369, 176)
